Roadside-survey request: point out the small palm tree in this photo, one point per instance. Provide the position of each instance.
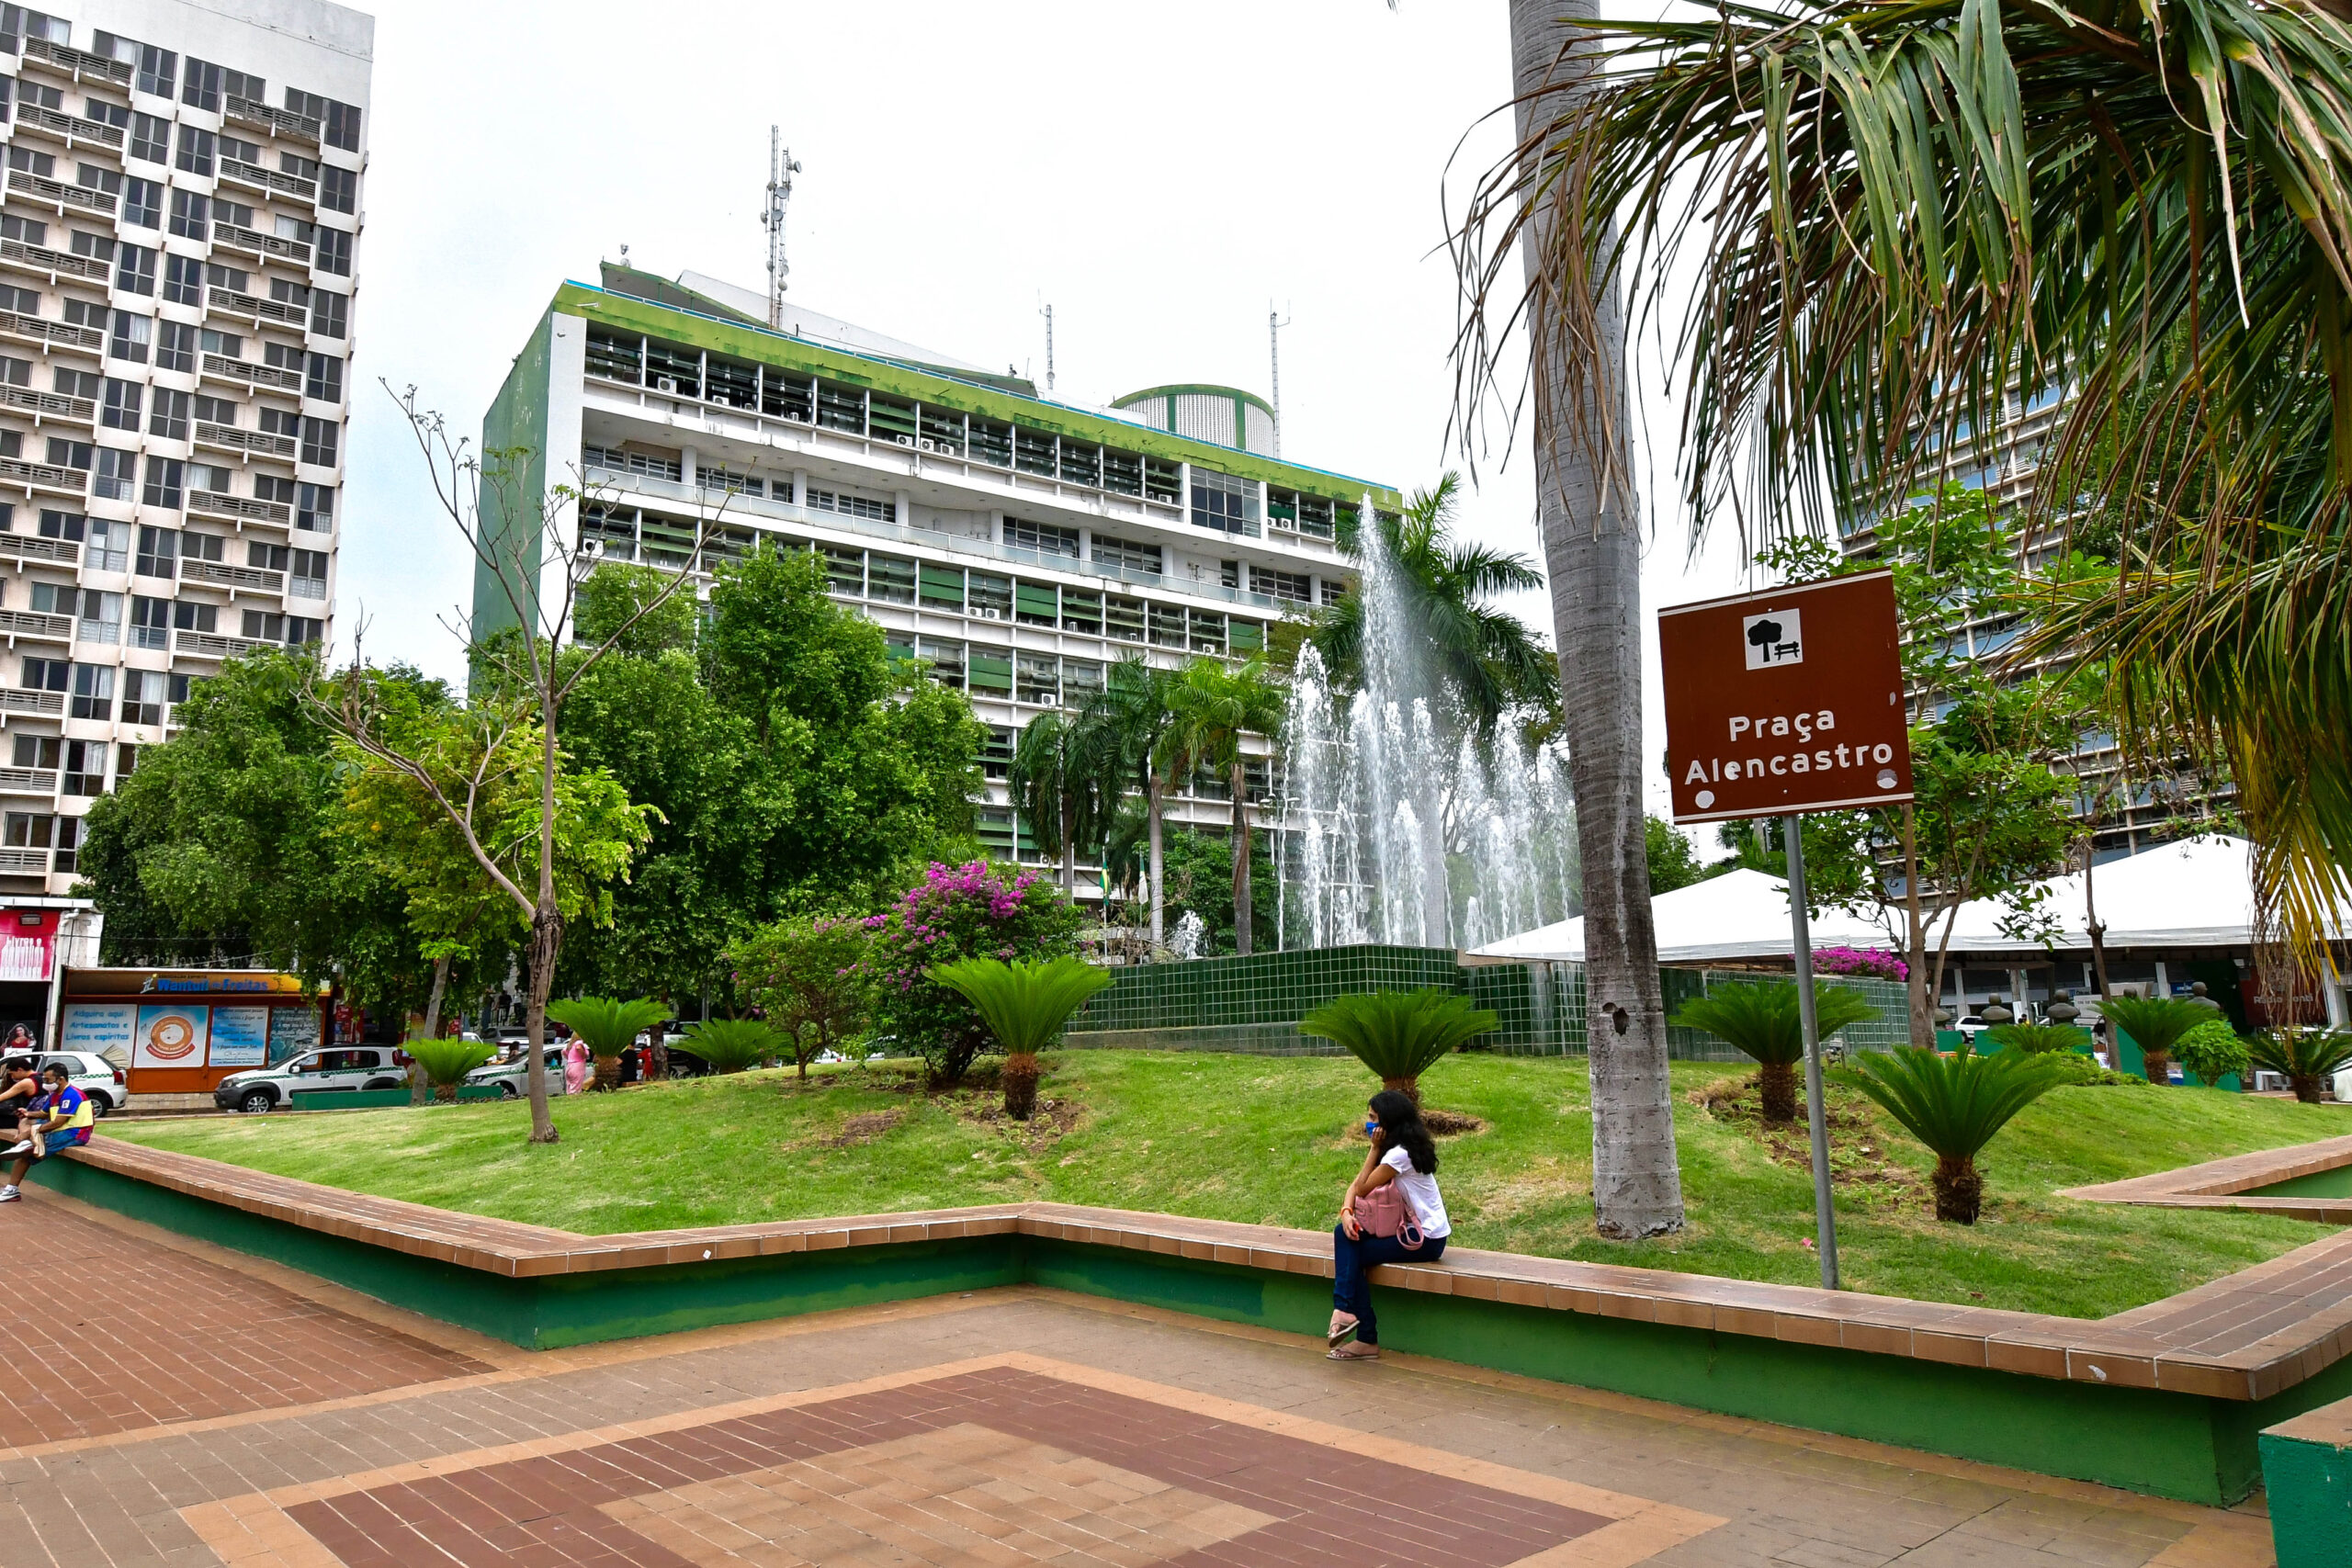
(446, 1062)
(730, 1045)
(1762, 1020)
(1399, 1034)
(607, 1027)
(2305, 1057)
(2035, 1038)
(1025, 1004)
(2156, 1024)
(1127, 726)
(1058, 787)
(1214, 710)
(1954, 1105)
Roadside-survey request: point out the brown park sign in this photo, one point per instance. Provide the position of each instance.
(1788, 700)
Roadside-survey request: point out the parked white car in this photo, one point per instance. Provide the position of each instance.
(99, 1080)
(343, 1068)
(511, 1076)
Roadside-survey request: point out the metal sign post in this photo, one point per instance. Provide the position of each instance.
(1778, 704)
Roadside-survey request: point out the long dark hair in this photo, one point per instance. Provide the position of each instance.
(1401, 1125)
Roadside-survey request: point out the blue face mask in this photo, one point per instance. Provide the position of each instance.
(1371, 1128)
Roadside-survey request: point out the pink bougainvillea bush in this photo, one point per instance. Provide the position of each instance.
(976, 910)
(1875, 961)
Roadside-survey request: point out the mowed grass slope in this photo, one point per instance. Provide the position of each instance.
(1274, 1141)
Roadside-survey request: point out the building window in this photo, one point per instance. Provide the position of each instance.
(143, 696)
(86, 766)
(1043, 538)
(77, 383)
(314, 507)
(116, 474)
(850, 506)
(132, 334)
(182, 280)
(1298, 587)
(190, 617)
(158, 553)
(170, 418)
(175, 346)
(68, 525)
(330, 313)
(164, 483)
(334, 251)
(92, 691)
(47, 676)
(109, 549)
(319, 438)
(101, 615)
(202, 88)
(1225, 503)
(338, 123)
(195, 151)
(307, 576)
(339, 189)
(150, 138)
(65, 454)
(100, 179)
(44, 752)
(135, 269)
(1037, 678)
(1128, 555)
(29, 830)
(210, 479)
(25, 160)
(324, 382)
(151, 618)
(156, 70)
(191, 214)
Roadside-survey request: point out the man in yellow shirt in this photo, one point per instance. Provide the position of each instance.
(66, 1123)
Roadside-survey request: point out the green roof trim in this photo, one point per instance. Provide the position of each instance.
(744, 341)
(1194, 390)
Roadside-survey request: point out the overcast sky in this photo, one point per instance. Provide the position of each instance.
(1159, 175)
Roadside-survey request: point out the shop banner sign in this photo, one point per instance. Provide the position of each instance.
(102, 1027)
(170, 1037)
(239, 1036)
(292, 1031)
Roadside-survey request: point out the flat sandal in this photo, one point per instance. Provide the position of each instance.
(1354, 1351)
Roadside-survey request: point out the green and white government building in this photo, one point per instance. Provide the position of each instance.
(1018, 546)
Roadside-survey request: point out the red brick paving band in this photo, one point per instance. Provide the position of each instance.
(131, 1335)
(1327, 1507)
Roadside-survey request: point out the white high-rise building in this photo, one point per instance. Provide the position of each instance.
(177, 263)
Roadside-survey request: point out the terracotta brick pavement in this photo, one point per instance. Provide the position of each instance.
(131, 1334)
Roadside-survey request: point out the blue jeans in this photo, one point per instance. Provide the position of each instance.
(1352, 1261)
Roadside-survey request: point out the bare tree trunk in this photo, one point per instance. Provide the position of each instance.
(547, 940)
(1240, 858)
(419, 1090)
(2091, 922)
(1592, 550)
(1923, 1002)
(1154, 809)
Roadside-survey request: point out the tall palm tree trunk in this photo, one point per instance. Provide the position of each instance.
(1155, 807)
(1069, 848)
(1240, 858)
(1592, 548)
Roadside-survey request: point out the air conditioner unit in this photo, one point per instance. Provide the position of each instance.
(666, 383)
(904, 440)
(928, 445)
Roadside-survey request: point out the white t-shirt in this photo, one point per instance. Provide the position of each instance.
(1422, 1205)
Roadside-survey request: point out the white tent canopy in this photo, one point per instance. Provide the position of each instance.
(2196, 893)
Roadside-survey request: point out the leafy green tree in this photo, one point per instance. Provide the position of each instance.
(1762, 1020)
(1400, 1035)
(1200, 882)
(806, 975)
(1674, 860)
(1490, 661)
(1129, 729)
(227, 841)
(1217, 710)
(630, 606)
(1026, 1005)
(2214, 1050)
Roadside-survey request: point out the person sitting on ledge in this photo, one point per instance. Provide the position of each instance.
(65, 1125)
(1402, 1163)
(19, 1087)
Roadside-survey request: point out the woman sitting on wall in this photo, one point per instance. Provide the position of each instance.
(1392, 1215)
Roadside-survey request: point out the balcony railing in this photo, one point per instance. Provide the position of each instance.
(229, 438)
(32, 623)
(226, 369)
(210, 645)
(32, 701)
(54, 405)
(41, 259)
(44, 475)
(236, 171)
(220, 505)
(252, 241)
(28, 781)
(257, 307)
(71, 126)
(53, 334)
(233, 576)
(57, 194)
(35, 860)
(277, 122)
(25, 547)
(80, 63)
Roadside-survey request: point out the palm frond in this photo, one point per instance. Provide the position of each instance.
(1760, 1019)
(1024, 1003)
(730, 1045)
(1953, 1104)
(605, 1026)
(1399, 1034)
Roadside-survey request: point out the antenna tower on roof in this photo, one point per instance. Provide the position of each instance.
(781, 168)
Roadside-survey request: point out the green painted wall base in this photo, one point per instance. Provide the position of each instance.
(2188, 1447)
(377, 1098)
(2310, 1487)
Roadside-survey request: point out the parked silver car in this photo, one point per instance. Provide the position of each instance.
(512, 1076)
(339, 1069)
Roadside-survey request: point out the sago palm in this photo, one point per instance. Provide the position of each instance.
(446, 1062)
(2306, 1057)
(1214, 710)
(1399, 1034)
(1899, 219)
(607, 1027)
(1954, 1104)
(1762, 1020)
(1026, 1005)
(2155, 1025)
(731, 1044)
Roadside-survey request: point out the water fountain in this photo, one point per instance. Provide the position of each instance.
(1397, 827)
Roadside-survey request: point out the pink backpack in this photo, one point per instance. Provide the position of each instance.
(1381, 1211)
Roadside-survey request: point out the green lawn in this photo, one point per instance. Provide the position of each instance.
(1270, 1140)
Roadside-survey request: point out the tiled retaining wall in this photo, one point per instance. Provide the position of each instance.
(1254, 1004)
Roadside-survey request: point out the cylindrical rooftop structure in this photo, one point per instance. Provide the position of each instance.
(1226, 416)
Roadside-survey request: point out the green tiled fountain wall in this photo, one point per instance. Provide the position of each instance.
(1254, 1004)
